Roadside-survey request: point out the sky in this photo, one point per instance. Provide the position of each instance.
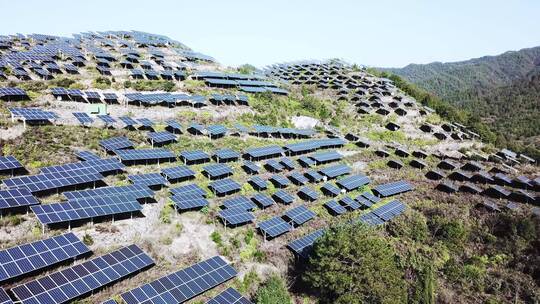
(378, 33)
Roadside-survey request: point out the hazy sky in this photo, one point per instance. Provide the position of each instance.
(375, 32)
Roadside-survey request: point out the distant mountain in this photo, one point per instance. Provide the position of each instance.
(503, 91)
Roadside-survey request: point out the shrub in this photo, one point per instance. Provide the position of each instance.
(273, 291)
(87, 239)
(102, 83)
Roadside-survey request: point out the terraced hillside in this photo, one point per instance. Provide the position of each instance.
(136, 170)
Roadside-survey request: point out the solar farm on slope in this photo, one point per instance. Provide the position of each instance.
(160, 176)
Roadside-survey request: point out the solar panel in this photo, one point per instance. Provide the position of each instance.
(229, 296)
(110, 96)
(224, 186)
(283, 197)
(115, 143)
(87, 155)
(258, 183)
(38, 255)
(372, 198)
(146, 122)
(161, 137)
(274, 227)
(49, 181)
(189, 201)
(108, 120)
(303, 246)
(353, 182)
(217, 171)
(274, 166)
(83, 118)
(267, 151)
(297, 178)
(188, 189)
(279, 181)
(394, 188)
(300, 215)
(335, 207)
(314, 176)
(239, 202)
(84, 208)
(330, 189)
(262, 200)
(335, 170)
(349, 203)
(287, 163)
(226, 155)
(180, 172)
(12, 92)
(308, 193)
(130, 191)
(324, 157)
(214, 130)
(15, 198)
(236, 216)
(180, 286)
(251, 168)
(4, 298)
(174, 125)
(9, 163)
(128, 121)
(194, 156)
(33, 114)
(92, 95)
(148, 179)
(76, 281)
(390, 210)
(145, 154)
(305, 161)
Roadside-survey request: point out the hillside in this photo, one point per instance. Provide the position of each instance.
(136, 170)
(488, 87)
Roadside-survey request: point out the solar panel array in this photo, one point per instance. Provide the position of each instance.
(49, 181)
(303, 246)
(115, 143)
(393, 188)
(196, 155)
(224, 186)
(148, 179)
(279, 181)
(353, 182)
(274, 227)
(87, 155)
(38, 255)
(144, 154)
(300, 215)
(335, 170)
(264, 151)
(229, 296)
(283, 197)
(180, 286)
(15, 198)
(33, 114)
(258, 183)
(236, 216)
(262, 200)
(383, 214)
(84, 208)
(335, 207)
(179, 172)
(83, 118)
(130, 191)
(9, 163)
(308, 193)
(215, 171)
(239, 202)
(99, 165)
(73, 282)
(4, 298)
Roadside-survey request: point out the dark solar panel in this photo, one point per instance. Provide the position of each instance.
(4, 298)
(115, 143)
(239, 202)
(87, 155)
(179, 172)
(226, 154)
(15, 198)
(303, 246)
(180, 286)
(262, 200)
(129, 191)
(279, 181)
(83, 118)
(335, 170)
(229, 296)
(236, 216)
(372, 198)
(107, 119)
(283, 197)
(9, 163)
(274, 227)
(148, 179)
(128, 121)
(188, 201)
(335, 207)
(76, 281)
(188, 189)
(251, 168)
(224, 186)
(196, 155)
(258, 183)
(38, 255)
(330, 189)
(299, 215)
(49, 181)
(353, 182)
(308, 193)
(215, 171)
(394, 188)
(349, 203)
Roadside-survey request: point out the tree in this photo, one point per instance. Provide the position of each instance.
(246, 69)
(355, 264)
(273, 291)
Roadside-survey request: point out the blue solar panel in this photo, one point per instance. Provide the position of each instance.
(130, 191)
(57, 180)
(239, 202)
(128, 121)
(330, 190)
(145, 154)
(229, 296)
(83, 118)
(314, 176)
(349, 203)
(283, 197)
(180, 286)
(16, 198)
(308, 193)
(263, 152)
(180, 172)
(251, 168)
(274, 227)
(108, 120)
(87, 155)
(324, 157)
(4, 298)
(224, 186)
(297, 178)
(99, 165)
(274, 166)
(258, 183)
(262, 200)
(148, 179)
(279, 181)
(9, 163)
(372, 198)
(303, 246)
(194, 156)
(71, 283)
(146, 122)
(335, 170)
(393, 188)
(236, 216)
(299, 215)
(353, 182)
(188, 201)
(115, 143)
(188, 189)
(38, 255)
(224, 155)
(217, 171)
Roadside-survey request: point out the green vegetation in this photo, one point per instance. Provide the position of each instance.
(246, 69)
(87, 239)
(273, 291)
(150, 85)
(354, 264)
(101, 83)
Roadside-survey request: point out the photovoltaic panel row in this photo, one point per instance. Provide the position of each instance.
(188, 189)
(224, 186)
(161, 137)
(38, 255)
(50, 181)
(335, 170)
(264, 151)
(393, 188)
(100, 165)
(9, 163)
(144, 154)
(83, 118)
(116, 143)
(229, 296)
(180, 286)
(71, 283)
(236, 216)
(262, 200)
(179, 172)
(84, 208)
(4, 298)
(14, 198)
(87, 155)
(131, 191)
(189, 201)
(240, 201)
(303, 246)
(148, 179)
(299, 215)
(353, 182)
(323, 157)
